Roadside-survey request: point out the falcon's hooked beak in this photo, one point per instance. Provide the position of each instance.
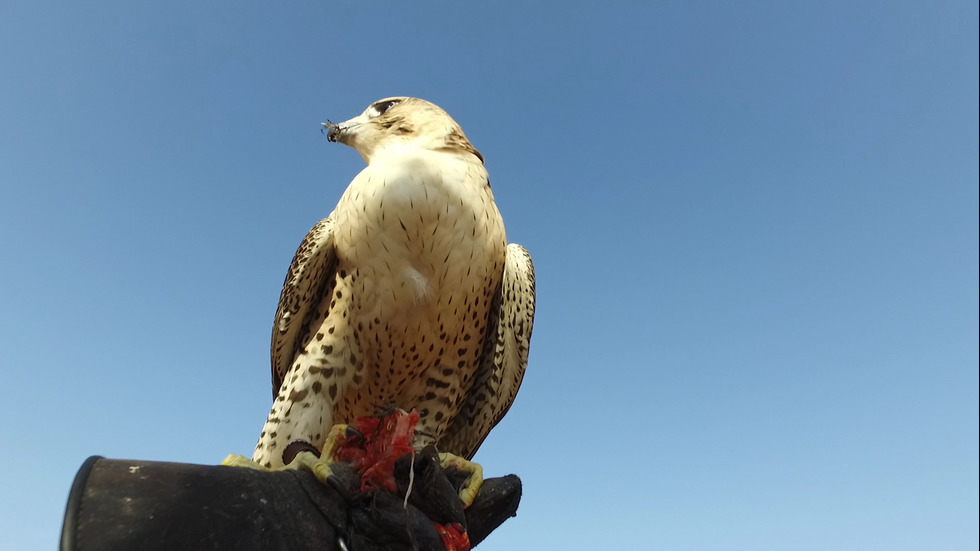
(334, 131)
(345, 132)
(355, 133)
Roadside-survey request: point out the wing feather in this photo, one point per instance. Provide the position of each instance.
(504, 359)
(309, 279)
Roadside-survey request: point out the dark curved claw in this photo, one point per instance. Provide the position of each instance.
(350, 433)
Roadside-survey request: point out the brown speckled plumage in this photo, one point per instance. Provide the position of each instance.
(407, 295)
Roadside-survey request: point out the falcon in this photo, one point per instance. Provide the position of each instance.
(406, 296)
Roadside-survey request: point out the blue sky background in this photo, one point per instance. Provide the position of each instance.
(755, 229)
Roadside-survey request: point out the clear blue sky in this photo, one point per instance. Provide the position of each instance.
(755, 228)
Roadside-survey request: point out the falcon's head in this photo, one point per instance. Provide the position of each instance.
(401, 121)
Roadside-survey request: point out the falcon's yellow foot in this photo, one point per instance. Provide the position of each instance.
(308, 461)
(473, 484)
(305, 459)
(235, 460)
(335, 438)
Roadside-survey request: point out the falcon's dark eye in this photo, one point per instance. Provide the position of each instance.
(383, 106)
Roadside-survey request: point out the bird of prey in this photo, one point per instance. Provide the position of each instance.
(406, 296)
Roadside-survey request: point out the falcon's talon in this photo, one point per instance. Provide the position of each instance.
(467, 494)
(308, 461)
(350, 433)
